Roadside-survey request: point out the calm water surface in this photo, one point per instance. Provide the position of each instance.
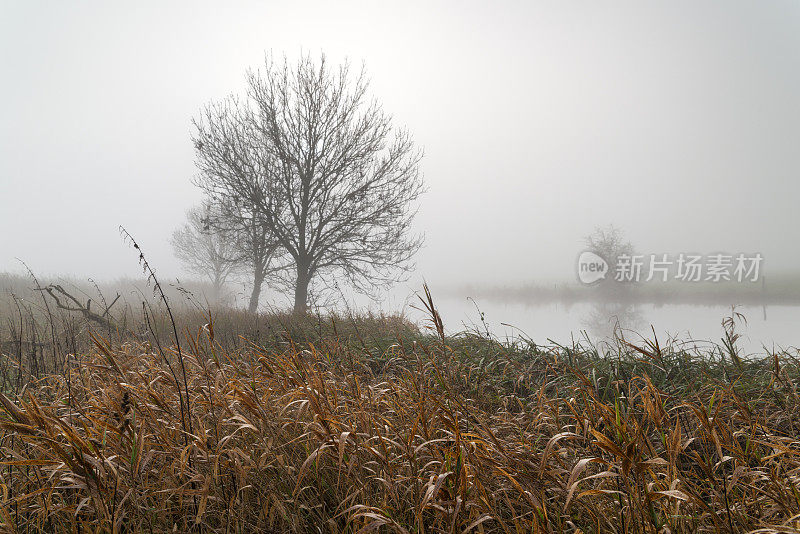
(774, 327)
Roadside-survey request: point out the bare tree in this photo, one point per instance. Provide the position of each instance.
(322, 164)
(610, 243)
(247, 230)
(205, 251)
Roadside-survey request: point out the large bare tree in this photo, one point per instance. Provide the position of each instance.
(320, 161)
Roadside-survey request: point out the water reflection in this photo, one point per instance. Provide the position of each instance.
(605, 319)
(564, 322)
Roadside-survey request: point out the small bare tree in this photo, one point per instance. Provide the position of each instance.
(246, 229)
(205, 251)
(324, 168)
(610, 243)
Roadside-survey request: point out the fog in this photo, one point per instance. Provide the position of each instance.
(678, 123)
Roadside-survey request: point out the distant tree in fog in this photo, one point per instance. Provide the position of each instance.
(322, 167)
(610, 243)
(204, 251)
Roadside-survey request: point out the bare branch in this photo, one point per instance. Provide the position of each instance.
(54, 290)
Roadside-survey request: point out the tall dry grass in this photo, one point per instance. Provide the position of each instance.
(352, 432)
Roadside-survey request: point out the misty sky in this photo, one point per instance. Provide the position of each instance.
(678, 122)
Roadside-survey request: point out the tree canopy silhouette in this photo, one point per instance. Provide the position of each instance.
(325, 170)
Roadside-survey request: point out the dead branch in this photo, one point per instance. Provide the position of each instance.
(102, 319)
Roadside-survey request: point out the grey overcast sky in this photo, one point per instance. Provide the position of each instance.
(676, 121)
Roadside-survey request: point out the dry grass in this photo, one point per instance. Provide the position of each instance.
(422, 434)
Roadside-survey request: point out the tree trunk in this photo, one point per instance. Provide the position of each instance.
(216, 289)
(301, 290)
(257, 281)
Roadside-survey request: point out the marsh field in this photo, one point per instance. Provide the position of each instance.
(236, 422)
(411, 267)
